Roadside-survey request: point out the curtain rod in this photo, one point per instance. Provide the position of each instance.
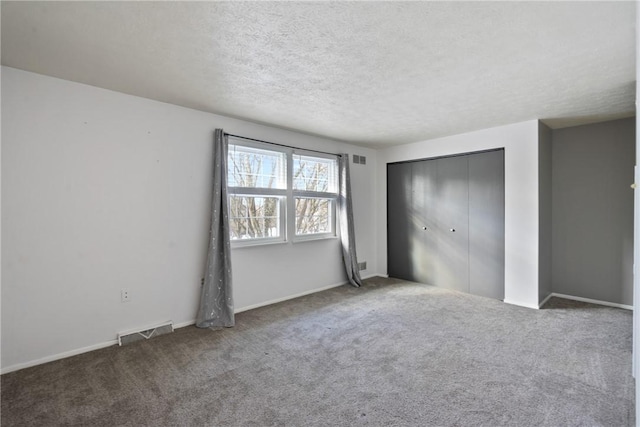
(282, 145)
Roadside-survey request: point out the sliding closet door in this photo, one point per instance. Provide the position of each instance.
(400, 229)
(424, 254)
(486, 224)
(453, 223)
(446, 222)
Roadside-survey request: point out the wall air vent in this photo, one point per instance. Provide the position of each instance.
(360, 160)
(145, 334)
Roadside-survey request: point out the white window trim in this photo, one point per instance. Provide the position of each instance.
(333, 197)
(332, 217)
(287, 199)
(282, 221)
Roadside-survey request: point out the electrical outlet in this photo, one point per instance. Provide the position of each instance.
(125, 295)
(202, 281)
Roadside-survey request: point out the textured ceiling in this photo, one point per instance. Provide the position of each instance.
(372, 73)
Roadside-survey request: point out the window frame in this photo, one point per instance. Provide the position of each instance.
(280, 193)
(282, 224)
(287, 197)
(331, 196)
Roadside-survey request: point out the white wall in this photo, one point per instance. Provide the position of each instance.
(520, 143)
(103, 191)
(545, 211)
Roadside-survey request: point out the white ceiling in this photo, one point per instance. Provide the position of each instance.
(371, 73)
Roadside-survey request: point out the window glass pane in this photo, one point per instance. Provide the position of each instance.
(254, 217)
(314, 173)
(253, 167)
(313, 215)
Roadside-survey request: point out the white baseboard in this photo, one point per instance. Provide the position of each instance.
(58, 356)
(277, 300)
(520, 304)
(544, 301)
(588, 300)
(183, 324)
(146, 327)
(75, 352)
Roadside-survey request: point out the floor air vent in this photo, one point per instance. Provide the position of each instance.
(145, 334)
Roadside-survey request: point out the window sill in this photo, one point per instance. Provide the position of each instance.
(281, 242)
(252, 244)
(313, 239)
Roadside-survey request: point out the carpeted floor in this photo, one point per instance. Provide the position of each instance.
(391, 353)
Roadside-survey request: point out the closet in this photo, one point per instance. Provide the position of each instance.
(445, 222)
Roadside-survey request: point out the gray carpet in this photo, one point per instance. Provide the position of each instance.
(391, 353)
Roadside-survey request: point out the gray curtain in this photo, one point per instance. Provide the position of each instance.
(345, 212)
(216, 302)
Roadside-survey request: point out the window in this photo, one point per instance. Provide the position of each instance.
(313, 216)
(254, 217)
(256, 168)
(277, 192)
(257, 181)
(314, 189)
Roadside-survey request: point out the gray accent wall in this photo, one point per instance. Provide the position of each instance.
(592, 216)
(544, 209)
